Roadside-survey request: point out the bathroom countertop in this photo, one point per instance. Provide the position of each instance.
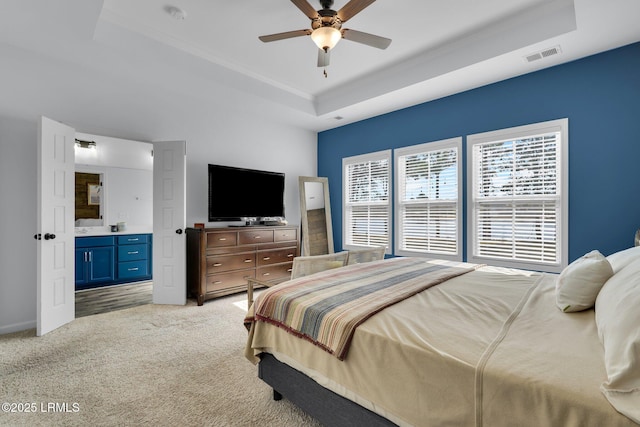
(106, 231)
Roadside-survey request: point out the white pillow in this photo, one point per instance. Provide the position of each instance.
(618, 321)
(579, 283)
(623, 258)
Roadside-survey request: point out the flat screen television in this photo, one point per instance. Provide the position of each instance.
(249, 195)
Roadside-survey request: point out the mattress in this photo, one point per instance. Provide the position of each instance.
(489, 348)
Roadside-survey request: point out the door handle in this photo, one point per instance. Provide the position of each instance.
(49, 236)
(179, 231)
(37, 236)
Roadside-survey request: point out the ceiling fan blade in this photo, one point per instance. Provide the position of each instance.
(323, 57)
(286, 35)
(350, 9)
(306, 8)
(366, 38)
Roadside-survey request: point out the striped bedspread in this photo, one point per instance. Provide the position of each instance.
(327, 307)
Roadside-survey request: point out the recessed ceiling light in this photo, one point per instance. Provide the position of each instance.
(176, 12)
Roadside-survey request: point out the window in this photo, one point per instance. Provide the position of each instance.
(367, 200)
(517, 208)
(428, 195)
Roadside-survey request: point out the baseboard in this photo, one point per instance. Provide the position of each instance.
(17, 327)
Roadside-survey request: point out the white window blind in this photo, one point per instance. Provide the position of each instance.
(427, 190)
(366, 208)
(518, 196)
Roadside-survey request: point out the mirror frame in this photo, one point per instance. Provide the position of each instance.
(304, 220)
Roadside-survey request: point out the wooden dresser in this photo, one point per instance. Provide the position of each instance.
(220, 260)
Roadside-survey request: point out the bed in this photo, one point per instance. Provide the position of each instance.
(466, 345)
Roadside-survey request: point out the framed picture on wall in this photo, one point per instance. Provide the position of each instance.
(94, 194)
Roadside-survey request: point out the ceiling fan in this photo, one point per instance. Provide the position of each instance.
(326, 27)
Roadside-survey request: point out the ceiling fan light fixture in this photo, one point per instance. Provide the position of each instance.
(326, 37)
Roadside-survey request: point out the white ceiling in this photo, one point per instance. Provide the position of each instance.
(438, 48)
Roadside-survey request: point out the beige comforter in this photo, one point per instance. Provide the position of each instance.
(488, 348)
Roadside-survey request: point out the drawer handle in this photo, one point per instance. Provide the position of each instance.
(248, 260)
(132, 240)
(133, 253)
(133, 269)
(222, 239)
(257, 237)
(289, 255)
(289, 270)
(217, 282)
(266, 274)
(267, 258)
(217, 264)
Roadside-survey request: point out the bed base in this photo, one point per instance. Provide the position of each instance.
(322, 404)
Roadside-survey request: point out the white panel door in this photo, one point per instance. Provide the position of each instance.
(55, 229)
(169, 217)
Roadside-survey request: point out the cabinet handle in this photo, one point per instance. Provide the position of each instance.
(222, 239)
(289, 255)
(133, 253)
(257, 237)
(289, 270)
(90, 256)
(248, 260)
(266, 274)
(133, 240)
(133, 269)
(217, 282)
(267, 258)
(217, 264)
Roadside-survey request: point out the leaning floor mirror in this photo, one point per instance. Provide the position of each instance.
(315, 216)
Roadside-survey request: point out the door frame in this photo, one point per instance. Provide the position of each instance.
(41, 331)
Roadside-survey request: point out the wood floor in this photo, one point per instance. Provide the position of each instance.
(111, 298)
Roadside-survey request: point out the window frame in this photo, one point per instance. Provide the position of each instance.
(365, 158)
(562, 224)
(451, 143)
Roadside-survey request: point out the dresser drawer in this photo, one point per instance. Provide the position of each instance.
(220, 263)
(285, 235)
(275, 256)
(88, 242)
(247, 237)
(133, 239)
(220, 282)
(133, 269)
(216, 240)
(275, 272)
(133, 252)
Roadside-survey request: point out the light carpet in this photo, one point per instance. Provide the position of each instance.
(147, 365)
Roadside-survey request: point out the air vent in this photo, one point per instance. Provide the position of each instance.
(543, 54)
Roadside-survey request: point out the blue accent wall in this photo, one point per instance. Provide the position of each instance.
(600, 95)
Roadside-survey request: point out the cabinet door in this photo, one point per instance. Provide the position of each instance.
(81, 266)
(101, 264)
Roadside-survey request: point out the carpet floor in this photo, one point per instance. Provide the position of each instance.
(146, 365)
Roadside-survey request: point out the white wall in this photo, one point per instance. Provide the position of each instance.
(104, 104)
(129, 197)
(17, 224)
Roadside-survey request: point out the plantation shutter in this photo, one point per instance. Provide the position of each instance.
(367, 200)
(428, 218)
(517, 199)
